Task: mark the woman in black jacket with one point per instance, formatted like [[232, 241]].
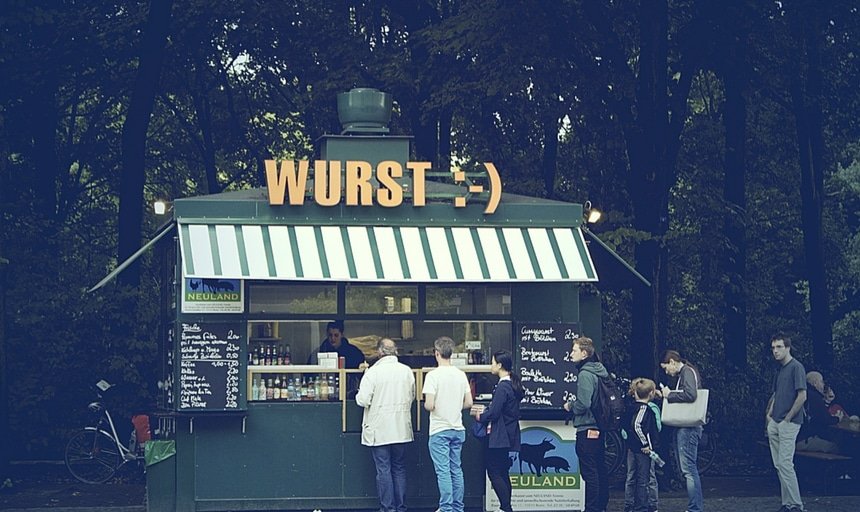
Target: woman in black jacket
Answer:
[[502, 417]]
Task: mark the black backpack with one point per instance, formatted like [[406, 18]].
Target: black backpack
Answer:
[[608, 404]]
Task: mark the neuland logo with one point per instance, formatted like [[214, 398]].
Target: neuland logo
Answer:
[[544, 461], [213, 290], [287, 183]]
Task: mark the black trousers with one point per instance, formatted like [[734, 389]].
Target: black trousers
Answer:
[[592, 467], [498, 464]]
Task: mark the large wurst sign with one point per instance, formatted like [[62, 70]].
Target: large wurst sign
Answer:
[[352, 182]]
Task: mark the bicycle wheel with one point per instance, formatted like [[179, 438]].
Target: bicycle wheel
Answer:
[[707, 452], [92, 456], [614, 452]]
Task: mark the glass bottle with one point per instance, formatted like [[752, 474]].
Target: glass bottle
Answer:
[[336, 380], [324, 388], [311, 390], [255, 358], [276, 393], [263, 391], [291, 389], [287, 357], [255, 390], [270, 390]]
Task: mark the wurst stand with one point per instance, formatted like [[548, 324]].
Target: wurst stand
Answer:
[[390, 252]]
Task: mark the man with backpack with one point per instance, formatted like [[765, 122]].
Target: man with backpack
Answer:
[[590, 445]]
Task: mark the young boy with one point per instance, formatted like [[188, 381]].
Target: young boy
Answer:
[[641, 426], [630, 481]]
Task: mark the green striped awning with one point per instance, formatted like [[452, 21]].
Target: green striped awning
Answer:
[[384, 253]]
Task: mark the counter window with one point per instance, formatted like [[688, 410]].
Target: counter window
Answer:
[[472, 300], [298, 340], [293, 299], [381, 299]]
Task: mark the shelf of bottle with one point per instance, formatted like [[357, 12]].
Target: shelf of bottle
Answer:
[[291, 368], [264, 339]]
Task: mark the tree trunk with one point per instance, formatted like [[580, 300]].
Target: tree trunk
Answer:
[[5, 447], [134, 132], [444, 162], [204, 122], [5, 187], [649, 186], [549, 164], [425, 131], [44, 120], [810, 141], [734, 195]]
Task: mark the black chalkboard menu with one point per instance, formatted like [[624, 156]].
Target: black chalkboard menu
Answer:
[[209, 364], [547, 373]]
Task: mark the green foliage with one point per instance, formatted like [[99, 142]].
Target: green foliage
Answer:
[[244, 81]]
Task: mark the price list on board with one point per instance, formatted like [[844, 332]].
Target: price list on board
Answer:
[[548, 376], [209, 365]]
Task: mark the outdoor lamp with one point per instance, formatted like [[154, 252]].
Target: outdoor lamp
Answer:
[[160, 207], [592, 215]]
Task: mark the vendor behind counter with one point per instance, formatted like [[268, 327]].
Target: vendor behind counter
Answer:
[[335, 341]]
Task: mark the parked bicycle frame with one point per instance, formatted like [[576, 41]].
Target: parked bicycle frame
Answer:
[[616, 448], [95, 453]]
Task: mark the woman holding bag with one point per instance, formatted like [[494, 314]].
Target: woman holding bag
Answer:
[[685, 390], [502, 418]]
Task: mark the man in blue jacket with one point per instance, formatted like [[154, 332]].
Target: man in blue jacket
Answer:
[[590, 444]]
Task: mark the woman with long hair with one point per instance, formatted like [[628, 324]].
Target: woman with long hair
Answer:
[[687, 383], [502, 418]]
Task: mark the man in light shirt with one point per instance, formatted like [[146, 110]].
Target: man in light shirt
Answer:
[[386, 393], [446, 394]]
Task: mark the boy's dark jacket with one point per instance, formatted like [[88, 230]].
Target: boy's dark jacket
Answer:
[[503, 414], [640, 423]]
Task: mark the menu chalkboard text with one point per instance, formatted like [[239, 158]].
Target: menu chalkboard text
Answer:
[[209, 366], [546, 371]]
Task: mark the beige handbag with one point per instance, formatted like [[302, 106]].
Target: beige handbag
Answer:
[[686, 414]]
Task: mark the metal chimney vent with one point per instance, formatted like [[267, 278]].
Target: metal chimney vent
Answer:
[[364, 110]]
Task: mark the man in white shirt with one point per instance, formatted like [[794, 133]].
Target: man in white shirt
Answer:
[[446, 393], [386, 392]]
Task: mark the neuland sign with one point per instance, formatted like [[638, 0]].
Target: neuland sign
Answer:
[[287, 183]]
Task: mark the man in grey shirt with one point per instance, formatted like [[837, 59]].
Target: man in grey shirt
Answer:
[[784, 417]]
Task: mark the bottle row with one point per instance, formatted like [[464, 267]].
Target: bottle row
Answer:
[[270, 355], [296, 389]]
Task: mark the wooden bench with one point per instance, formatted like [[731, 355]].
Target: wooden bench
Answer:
[[823, 467]]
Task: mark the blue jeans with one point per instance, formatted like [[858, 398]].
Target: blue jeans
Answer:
[[630, 486], [445, 449], [390, 463], [687, 443]]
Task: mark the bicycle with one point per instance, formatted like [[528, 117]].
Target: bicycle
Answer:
[[616, 449], [95, 453]]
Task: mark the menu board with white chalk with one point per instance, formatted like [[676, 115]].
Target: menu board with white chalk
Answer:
[[209, 365], [548, 376]]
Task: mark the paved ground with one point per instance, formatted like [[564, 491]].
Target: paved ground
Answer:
[[47, 487]]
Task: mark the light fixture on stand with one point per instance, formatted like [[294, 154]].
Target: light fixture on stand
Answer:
[[161, 207], [592, 215]]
